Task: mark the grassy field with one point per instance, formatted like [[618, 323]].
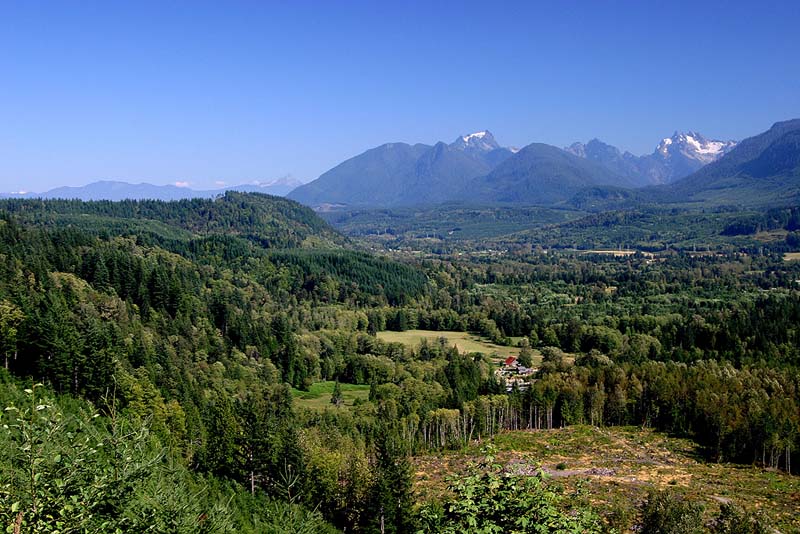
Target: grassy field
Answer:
[[465, 342], [318, 396], [619, 466], [616, 252], [791, 256]]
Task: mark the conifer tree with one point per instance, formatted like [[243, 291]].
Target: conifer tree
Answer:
[[389, 510]]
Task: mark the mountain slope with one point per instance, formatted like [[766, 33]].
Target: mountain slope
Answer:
[[761, 170], [439, 172], [540, 174], [375, 177]]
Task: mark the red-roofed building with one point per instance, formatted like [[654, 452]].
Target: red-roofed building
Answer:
[[509, 361]]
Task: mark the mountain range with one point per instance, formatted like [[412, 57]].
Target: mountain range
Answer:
[[686, 168], [476, 169], [114, 190], [539, 174], [674, 158]]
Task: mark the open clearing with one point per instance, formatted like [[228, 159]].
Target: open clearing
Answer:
[[618, 252], [771, 236], [318, 396], [465, 342], [618, 466], [791, 256]]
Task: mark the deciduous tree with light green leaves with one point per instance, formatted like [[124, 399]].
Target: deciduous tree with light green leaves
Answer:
[[10, 318]]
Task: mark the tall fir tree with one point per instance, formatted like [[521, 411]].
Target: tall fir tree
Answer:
[[389, 510]]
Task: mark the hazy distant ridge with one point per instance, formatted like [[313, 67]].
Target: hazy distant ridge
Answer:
[[114, 190]]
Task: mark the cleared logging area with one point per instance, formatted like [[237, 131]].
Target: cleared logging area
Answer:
[[617, 466]]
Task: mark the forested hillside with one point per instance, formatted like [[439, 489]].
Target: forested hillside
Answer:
[[180, 317], [226, 352], [268, 221]]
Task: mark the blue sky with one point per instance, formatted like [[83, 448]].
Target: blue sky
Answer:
[[234, 92]]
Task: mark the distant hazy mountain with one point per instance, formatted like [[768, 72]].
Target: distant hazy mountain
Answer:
[[761, 170], [398, 174], [541, 174], [280, 187], [674, 158], [111, 190], [625, 164]]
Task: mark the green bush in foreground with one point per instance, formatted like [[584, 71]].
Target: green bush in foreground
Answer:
[[65, 469], [489, 500]]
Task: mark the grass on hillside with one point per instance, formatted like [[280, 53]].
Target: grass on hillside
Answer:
[[318, 396], [791, 256], [618, 466], [464, 341]]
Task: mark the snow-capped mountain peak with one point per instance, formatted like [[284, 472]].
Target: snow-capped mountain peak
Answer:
[[694, 146], [674, 157], [481, 141], [476, 135]]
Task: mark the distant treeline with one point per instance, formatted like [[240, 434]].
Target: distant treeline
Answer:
[[775, 219], [271, 222]]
